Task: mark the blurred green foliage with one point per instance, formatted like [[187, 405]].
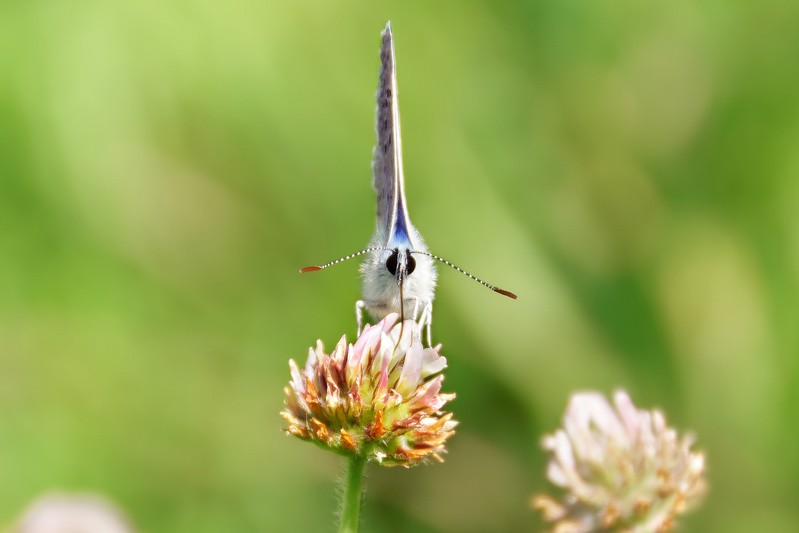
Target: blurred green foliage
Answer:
[[628, 168]]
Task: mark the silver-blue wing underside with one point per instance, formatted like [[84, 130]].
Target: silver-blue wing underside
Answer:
[[387, 178]]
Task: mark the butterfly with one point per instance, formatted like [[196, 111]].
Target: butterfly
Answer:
[[398, 273]]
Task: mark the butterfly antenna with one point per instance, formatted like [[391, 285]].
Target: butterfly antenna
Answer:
[[314, 268], [475, 278]]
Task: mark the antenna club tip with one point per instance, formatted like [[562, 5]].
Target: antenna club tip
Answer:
[[303, 270], [505, 293]]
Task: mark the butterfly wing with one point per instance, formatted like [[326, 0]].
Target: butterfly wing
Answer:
[[394, 230], [387, 179]]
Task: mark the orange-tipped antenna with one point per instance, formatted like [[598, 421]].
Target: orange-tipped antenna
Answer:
[[504, 292], [314, 268], [475, 278]]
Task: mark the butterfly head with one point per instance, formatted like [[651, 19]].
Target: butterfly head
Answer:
[[400, 264]]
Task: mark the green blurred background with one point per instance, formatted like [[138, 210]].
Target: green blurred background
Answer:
[[629, 168]]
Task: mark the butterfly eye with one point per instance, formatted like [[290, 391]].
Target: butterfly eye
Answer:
[[411, 263], [391, 262]]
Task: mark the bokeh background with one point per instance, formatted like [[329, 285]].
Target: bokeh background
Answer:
[[628, 168]]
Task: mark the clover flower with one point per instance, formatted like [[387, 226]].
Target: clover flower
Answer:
[[623, 469], [379, 398], [72, 513]]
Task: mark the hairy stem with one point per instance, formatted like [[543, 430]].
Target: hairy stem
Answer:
[[353, 489]]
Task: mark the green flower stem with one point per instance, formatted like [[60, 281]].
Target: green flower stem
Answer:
[[353, 489]]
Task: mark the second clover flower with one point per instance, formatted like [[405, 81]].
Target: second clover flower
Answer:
[[623, 469], [379, 398]]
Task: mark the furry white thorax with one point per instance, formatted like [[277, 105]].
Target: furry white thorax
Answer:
[[380, 289]]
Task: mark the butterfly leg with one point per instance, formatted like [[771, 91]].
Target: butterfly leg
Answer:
[[415, 308], [426, 319], [359, 307]]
